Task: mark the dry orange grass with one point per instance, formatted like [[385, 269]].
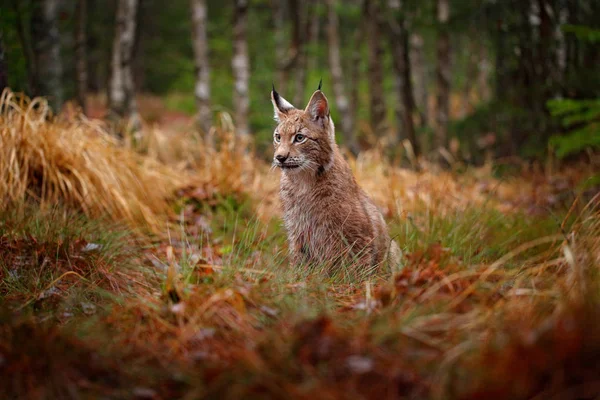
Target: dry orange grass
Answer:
[[508, 327], [220, 164], [401, 191], [75, 161]]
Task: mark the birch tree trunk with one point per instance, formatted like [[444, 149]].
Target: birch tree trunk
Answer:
[[376, 51], [80, 53], [202, 88], [442, 74], [337, 76], [121, 93], [398, 35], [46, 41], [241, 66]]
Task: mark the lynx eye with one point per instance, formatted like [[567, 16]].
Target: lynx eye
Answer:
[[299, 138], [277, 138]]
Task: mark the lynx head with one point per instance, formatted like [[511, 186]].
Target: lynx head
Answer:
[[304, 140]]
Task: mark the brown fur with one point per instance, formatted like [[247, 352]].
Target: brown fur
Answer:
[[328, 217]]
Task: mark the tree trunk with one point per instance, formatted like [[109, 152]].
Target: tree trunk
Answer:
[[398, 36], [483, 71], [337, 77], [287, 55], [470, 79], [500, 61], [313, 42], [572, 44], [143, 22], [80, 53], [546, 68], [28, 53], [3, 68], [307, 23], [96, 58], [523, 94], [420, 67], [561, 50], [442, 74], [280, 46], [377, 107], [121, 96], [46, 41], [241, 66], [355, 64], [200, 42]]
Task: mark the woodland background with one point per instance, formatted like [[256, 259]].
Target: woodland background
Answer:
[[142, 252], [483, 72]]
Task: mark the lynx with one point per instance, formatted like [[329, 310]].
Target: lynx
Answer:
[[329, 219]]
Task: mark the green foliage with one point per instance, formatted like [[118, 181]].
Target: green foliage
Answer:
[[500, 119], [476, 235], [582, 117], [584, 33], [14, 51], [183, 102]]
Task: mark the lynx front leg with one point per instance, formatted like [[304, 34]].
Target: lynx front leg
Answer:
[[298, 250]]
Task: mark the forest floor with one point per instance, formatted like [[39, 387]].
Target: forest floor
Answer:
[[157, 269]]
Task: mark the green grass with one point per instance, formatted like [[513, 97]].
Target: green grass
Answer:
[[254, 327], [475, 235], [60, 262]]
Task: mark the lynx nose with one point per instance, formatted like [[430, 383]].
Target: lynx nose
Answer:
[[281, 158]]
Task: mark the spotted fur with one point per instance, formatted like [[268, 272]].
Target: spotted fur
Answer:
[[329, 219]]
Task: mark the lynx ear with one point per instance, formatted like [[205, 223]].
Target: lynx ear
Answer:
[[280, 105], [318, 107]]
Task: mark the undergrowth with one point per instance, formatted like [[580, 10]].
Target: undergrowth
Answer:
[[75, 161], [496, 297]]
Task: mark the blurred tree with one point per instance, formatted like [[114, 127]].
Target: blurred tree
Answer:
[[308, 19], [47, 61], [81, 53], [121, 93], [356, 58], [471, 74], [3, 66], [241, 66], [100, 21], [399, 42], [202, 88], [313, 40], [529, 49], [421, 68], [287, 55], [337, 77], [377, 106], [443, 72], [483, 71], [281, 52]]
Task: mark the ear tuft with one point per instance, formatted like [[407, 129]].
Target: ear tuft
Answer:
[[318, 107], [280, 105]]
